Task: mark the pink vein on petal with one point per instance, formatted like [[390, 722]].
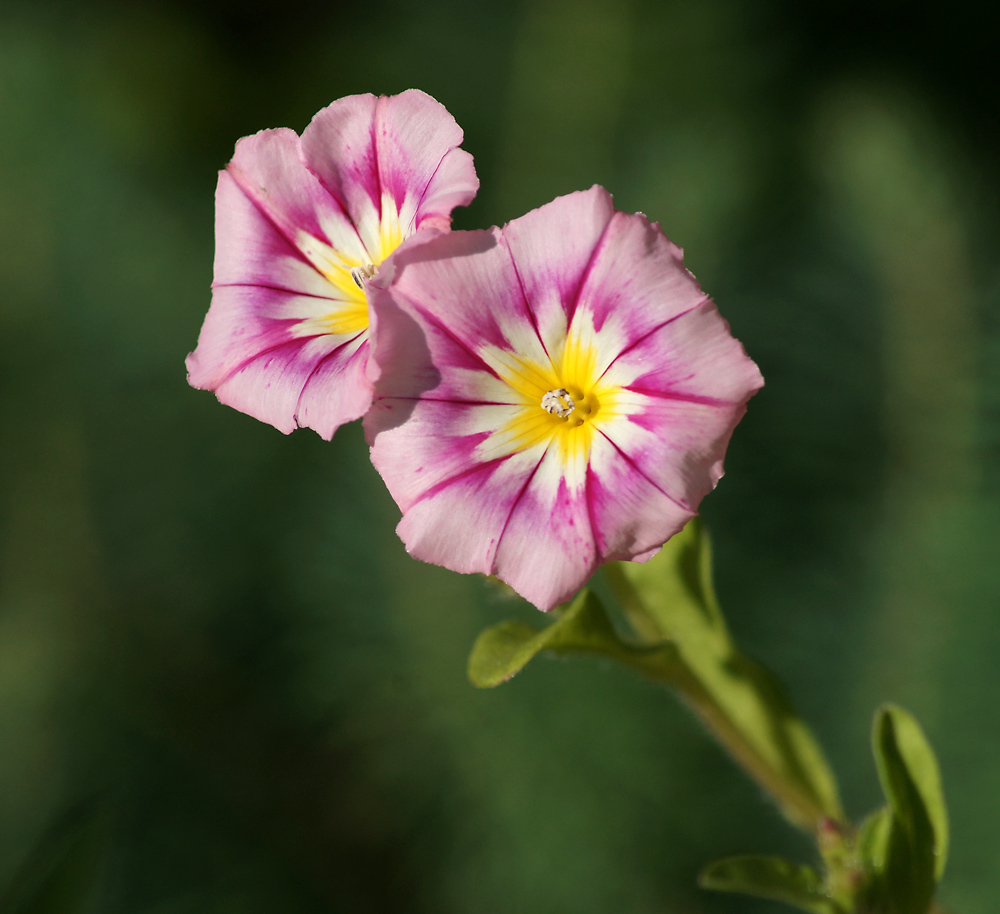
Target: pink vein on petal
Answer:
[[639, 471]]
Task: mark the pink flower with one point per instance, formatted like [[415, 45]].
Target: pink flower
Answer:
[[302, 225], [550, 396]]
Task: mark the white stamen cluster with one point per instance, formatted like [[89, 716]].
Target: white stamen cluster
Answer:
[[559, 403], [361, 275]]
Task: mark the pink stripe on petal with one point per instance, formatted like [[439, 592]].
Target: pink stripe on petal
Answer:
[[547, 548], [269, 387], [337, 391], [338, 146], [249, 354], [268, 168], [552, 247], [417, 140], [694, 355], [632, 517], [362, 147], [637, 279], [422, 444], [433, 286], [481, 501], [241, 324], [250, 250], [455, 183], [677, 445]]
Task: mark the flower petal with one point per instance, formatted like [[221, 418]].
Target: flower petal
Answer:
[[547, 549], [404, 147], [553, 247], [433, 284], [250, 355], [250, 250], [268, 168], [632, 517]]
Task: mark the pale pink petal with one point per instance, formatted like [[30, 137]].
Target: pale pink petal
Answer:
[[404, 146], [632, 516], [423, 443], [553, 247], [420, 164], [478, 502], [535, 536], [258, 365], [268, 168], [678, 445], [691, 357], [250, 250], [433, 284], [636, 281], [547, 549]]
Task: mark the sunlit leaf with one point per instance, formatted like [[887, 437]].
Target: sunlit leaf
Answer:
[[584, 627], [770, 877]]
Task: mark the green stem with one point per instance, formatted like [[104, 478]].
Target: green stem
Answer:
[[801, 805], [798, 805]]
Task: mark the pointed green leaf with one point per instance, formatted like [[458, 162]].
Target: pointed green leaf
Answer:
[[922, 766], [671, 598], [770, 877], [503, 650], [873, 839], [905, 884]]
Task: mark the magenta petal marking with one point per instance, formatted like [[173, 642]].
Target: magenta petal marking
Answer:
[[362, 147], [268, 169], [633, 515], [547, 548], [270, 386], [250, 250], [480, 500], [553, 247]]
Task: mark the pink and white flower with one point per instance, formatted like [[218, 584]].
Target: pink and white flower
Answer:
[[550, 396], [302, 226]]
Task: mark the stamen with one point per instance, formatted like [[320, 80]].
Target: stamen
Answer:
[[361, 275], [559, 403]]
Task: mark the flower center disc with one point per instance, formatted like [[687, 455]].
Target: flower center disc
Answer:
[[572, 406], [559, 402]]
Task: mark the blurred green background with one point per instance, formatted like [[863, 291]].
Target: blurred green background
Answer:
[[210, 630]]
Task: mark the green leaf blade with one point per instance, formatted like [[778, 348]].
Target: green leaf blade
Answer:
[[915, 843], [772, 878]]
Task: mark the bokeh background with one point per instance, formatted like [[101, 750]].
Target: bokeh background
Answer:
[[209, 632]]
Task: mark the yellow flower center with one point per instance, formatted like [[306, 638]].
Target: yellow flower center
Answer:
[[562, 400], [349, 275]]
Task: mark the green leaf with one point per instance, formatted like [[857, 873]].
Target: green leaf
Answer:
[[671, 599], [922, 768], [914, 845], [873, 839], [770, 877], [61, 873], [503, 650]]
